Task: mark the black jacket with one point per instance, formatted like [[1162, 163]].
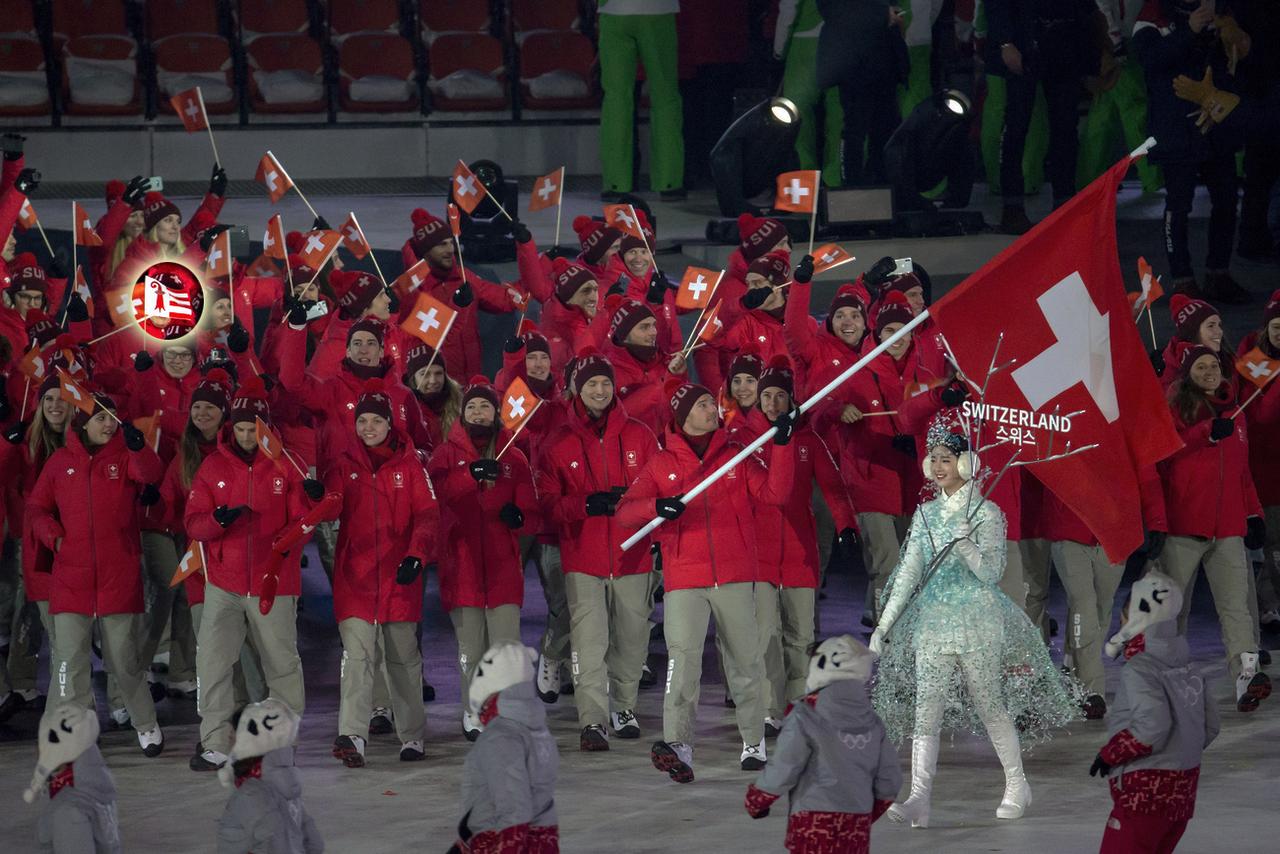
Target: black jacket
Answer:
[[1053, 36], [857, 44]]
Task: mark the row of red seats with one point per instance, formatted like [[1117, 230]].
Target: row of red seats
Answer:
[[115, 57]]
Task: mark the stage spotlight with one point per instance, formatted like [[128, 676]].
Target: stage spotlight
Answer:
[[932, 145], [752, 151], [486, 233]]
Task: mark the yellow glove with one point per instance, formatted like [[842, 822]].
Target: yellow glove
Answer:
[[1235, 41], [1195, 91], [1215, 104]]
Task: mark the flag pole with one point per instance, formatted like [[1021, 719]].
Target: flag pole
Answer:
[[45, 238], [1256, 392], [559, 209], [107, 335], [768, 434], [209, 128], [292, 183], [490, 195], [702, 313], [518, 429], [1151, 323], [314, 276], [372, 254], [26, 393], [813, 216], [435, 351]]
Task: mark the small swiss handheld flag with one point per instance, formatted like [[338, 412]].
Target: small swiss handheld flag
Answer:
[[625, 219], [797, 191], [27, 215], [189, 106], [85, 235], [272, 176], [829, 257], [273, 245], [75, 394], [518, 404], [547, 191], [429, 321], [217, 263], [268, 441], [353, 237], [696, 287], [318, 246], [467, 189], [191, 563], [1257, 367]]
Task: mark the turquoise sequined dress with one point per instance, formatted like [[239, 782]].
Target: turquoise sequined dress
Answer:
[[961, 620]]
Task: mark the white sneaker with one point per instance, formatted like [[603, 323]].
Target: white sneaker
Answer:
[[1252, 685], [548, 683], [772, 726], [209, 760], [753, 757], [152, 741], [624, 723], [162, 659], [673, 757], [120, 717], [412, 751], [471, 727]]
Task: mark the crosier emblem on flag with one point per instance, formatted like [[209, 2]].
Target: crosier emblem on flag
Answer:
[[1065, 331], [797, 191], [429, 321], [189, 106], [467, 189], [829, 257], [696, 287], [272, 176], [518, 404], [163, 305]]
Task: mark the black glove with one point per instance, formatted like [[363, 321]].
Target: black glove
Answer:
[[320, 224], [880, 271], [755, 297], [393, 301], [218, 181], [142, 361], [27, 182], [408, 571], [657, 289], [268, 382], [149, 495], [210, 234], [1221, 428], [313, 488], [669, 508], [57, 266], [237, 337], [954, 395], [136, 191], [1153, 544], [298, 310], [12, 145], [804, 270], [511, 516], [619, 287], [484, 469], [1099, 768], [1257, 533], [520, 232], [464, 295], [786, 426], [1157, 361], [134, 439], [15, 433], [514, 344], [847, 540], [224, 515], [601, 503], [906, 444], [77, 311]]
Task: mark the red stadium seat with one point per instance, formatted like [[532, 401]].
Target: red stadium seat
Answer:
[[17, 20], [269, 17], [73, 18], [452, 16], [362, 16], [376, 68], [186, 61], [529, 16], [100, 76], [286, 74], [173, 17], [463, 68], [552, 66], [24, 86]]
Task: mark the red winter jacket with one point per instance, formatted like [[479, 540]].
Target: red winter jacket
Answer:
[[235, 556], [1058, 522], [480, 563], [714, 540], [1208, 490], [90, 501], [640, 386], [670, 337], [1263, 416], [155, 390], [583, 460], [20, 472], [173, 504], [819, 355], [331, 348], [387, 514], [759, 331]]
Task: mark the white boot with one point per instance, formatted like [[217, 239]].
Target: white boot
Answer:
[[1017, 791], [924, 761]]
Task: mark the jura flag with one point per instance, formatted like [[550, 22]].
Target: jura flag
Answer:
[[353, 237], [84, 233], [273, 245], [272, 176], [467, 189], [189, 106], [1257, 367], [518, 404], [696, 287], [429, 321], [829, 257], [797, 191], [164, 306], [1057, 297], [547, 191], [191, 563]]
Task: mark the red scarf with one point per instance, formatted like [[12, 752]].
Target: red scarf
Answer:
[[60, 780], [253, 772], [1135, 646]]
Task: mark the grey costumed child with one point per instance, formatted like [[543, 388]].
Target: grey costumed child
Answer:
[[81, 814]]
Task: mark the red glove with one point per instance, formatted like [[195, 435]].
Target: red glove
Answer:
[[758, 802]]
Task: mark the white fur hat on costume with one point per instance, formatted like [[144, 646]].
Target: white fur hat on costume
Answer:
[[505, 664], [65, 734], [837, 658], [1153, 598], [263, 727]]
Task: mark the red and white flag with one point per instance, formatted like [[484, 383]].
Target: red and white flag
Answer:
[[353, 237], [272, 176], [166, 306], [1057, 296], [81, 287], [32, 365], [625, 219], [797, 191], [150, 427], [273, 245], [429, 321], [518, 404], [85, 235], [455, 220], [318, 246], [124, 307], [27, 215], [217, 262], [191, 563], [1151, 287], [75, 394], [1257, 367], [829, 257], [268, 441], [696, 287], [189, 106], [547, 191], [467, 189], [712, 325], [411, 279]]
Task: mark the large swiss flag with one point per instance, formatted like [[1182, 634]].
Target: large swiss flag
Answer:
[[1058, 296]]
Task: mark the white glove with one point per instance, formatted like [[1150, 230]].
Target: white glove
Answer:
[[877, 641], [968, 552], [964, 530]]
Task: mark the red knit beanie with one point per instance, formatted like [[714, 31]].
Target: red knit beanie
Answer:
[[1188, 314], [759, 235], [894, 308], [778, 375], [373, 400], [904, 283], [250, 402], [429, 231], [847, 296], [156, 207], [628, 316], [114, 191], [683, 395], [595, 237], [356, 291]]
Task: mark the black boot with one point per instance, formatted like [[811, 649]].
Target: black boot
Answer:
[[1013, 220]]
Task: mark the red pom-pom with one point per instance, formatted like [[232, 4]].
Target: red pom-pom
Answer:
[[747, 223], [895, 297], [24, 259], [780, 362], [671, 386], [583, 224], [478, 379], [115, 190], [420, 217], [219, 376], [560, 264], [613, 302], [1177, 303], [587, 352], [152, 198], [252, 386], [294, 241]]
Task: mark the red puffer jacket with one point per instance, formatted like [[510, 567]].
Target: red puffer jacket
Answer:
[[714, 540], [1208, 490], [480, 560], [90, 501], [788, 541], [819, 355], [173, 504], [760, 332], [331, 348], [584, 460], [640, 386], [154, 390], [272, 495], [1263, 416], [388, 513], [670, 337], [20, 472]]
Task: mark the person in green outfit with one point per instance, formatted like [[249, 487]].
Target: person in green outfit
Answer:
[[644, 31], [795, 43]]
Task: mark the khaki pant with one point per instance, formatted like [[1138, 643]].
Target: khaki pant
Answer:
[[609, 631], [477, 629], [769, 627], [248, 663], [555, 639], [798, 606], [1090, 580], [325, 538], [1035, 572], [165, 608], [687, 616], [1269, 578], [226, 621], [1013, 583], [71, 669], [403, 659], [1231, 582], [881, 541]]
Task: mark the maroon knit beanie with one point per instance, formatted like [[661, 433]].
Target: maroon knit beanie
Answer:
[[848, 296], [156, 207], [429, 231], [215, 388], [746, 362], [250, 402], [1272, 311], [775, 266], [595, 237], [372, 325], [590, 363], [419, 356], [759, 235], [356, 291], [374, 400], [778, 375], [894, 308], [479, 387], [1188, 314], [629, 315], [570, 278], [683, 395], [630, 241]]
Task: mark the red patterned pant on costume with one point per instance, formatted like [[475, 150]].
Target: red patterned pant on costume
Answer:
[[1136, 833], [828, 833]]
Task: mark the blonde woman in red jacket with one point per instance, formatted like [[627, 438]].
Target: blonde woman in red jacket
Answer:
[[85, 509], [1214, 514], [486, 504], [388, 521]]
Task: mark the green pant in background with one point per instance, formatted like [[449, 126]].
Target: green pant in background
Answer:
[[610, 633], [1033, 153], [1124, 104], [651, 39], [800, 84]]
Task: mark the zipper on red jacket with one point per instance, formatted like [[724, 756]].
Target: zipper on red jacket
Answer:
[[248, 589], [93, 540], [608, 520], [377, 576]]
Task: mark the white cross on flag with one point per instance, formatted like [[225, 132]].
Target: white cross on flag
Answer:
[[165, 306], [797, 191], [273, 245], [125, 307], [189, 106], [518, 404], [625, 219], [829, 257], [429, 321], [191, 563], [81, 287], [272, 176], [27, 215], [467, 189], [696, 287], [75, 394], [411, 279], [547, 191], [84, 233], [1057, 296], [1257, 367], [353, 237], [318, 246], [217, 263]]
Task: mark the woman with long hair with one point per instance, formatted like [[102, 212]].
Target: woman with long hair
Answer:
[[439, 395]]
